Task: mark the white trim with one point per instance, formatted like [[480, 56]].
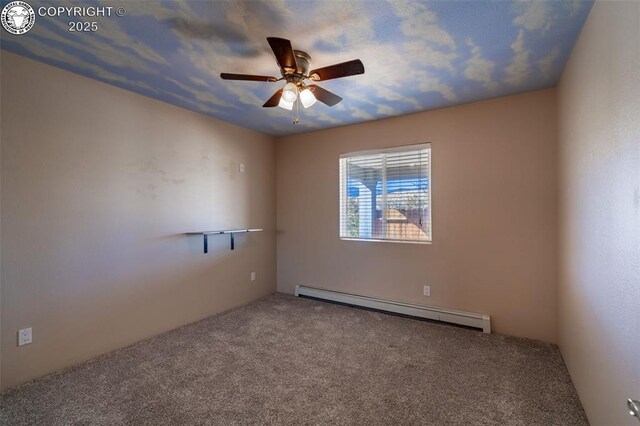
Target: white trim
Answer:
[[343, 195], [453, 316], [383, 153], [425, 145], [430, 199], [387, 240], [385, 213]]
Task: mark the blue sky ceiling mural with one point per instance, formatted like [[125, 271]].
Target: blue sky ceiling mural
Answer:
[[417, 55]]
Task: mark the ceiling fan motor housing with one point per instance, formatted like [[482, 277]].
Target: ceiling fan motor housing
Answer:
[[302, 60]]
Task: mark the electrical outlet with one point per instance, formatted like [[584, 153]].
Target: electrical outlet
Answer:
[[241, 167], [426, 290], [24, 336], [253, 276]]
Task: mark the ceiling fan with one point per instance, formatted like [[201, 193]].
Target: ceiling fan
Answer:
[[294, 68]]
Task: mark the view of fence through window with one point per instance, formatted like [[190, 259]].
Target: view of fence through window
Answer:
[[386, 194]]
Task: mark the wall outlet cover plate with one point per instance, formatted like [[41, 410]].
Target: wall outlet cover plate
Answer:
[[24, 336]]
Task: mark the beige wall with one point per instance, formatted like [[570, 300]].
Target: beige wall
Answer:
[[0, 241], [599, 293], [98, 187], [494, 193]]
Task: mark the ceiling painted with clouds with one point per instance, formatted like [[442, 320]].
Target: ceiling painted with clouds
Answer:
[[417, 55]]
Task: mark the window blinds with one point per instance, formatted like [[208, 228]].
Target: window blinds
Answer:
[[386, 194]]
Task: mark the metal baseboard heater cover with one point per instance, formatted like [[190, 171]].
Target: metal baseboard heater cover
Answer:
[[468, 319]]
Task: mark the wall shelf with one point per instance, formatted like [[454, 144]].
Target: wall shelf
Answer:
[[231, 232]]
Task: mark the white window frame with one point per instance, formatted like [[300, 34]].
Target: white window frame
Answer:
[[343, 193]]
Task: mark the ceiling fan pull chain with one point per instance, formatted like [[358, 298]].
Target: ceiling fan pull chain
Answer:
[[296, 117]]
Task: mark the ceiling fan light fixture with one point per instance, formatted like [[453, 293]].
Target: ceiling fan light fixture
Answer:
[[294, 70], [290, 92], [284, 104], [307, 98]]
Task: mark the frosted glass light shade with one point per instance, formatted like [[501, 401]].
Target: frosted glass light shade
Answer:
[[307, 98], [290, 92], [284, 104]]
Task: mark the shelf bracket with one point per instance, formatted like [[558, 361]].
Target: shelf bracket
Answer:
[[231, 232]]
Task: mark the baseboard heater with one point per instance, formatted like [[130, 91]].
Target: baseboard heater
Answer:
[[469, 319]]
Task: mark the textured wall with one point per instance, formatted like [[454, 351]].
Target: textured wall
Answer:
[[98, 187], [494, 194], [599, 295]]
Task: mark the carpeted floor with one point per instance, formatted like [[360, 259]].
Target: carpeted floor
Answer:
[[286, 360]]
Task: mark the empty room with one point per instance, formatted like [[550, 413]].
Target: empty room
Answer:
[[367, 212]]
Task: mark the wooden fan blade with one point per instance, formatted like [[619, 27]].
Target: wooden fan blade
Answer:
[[284, 52], [247, 77], [343, 69], [324, 96], [273, 100]]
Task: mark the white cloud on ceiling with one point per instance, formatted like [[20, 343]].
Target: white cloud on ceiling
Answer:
[[420, 22], [422, 52], [349, 25], [360, 113], [316, 112], [122, 40], [426, 82], [535, 15], [478, 68], [41, 50], [389, 94], [546, 63], [519, 69], [100, 49], [390, 67], [206, 97], [386, 110]]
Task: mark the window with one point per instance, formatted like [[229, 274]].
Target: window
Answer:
[[385, 195]]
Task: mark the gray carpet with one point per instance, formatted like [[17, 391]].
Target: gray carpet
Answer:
[[285, 360]]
